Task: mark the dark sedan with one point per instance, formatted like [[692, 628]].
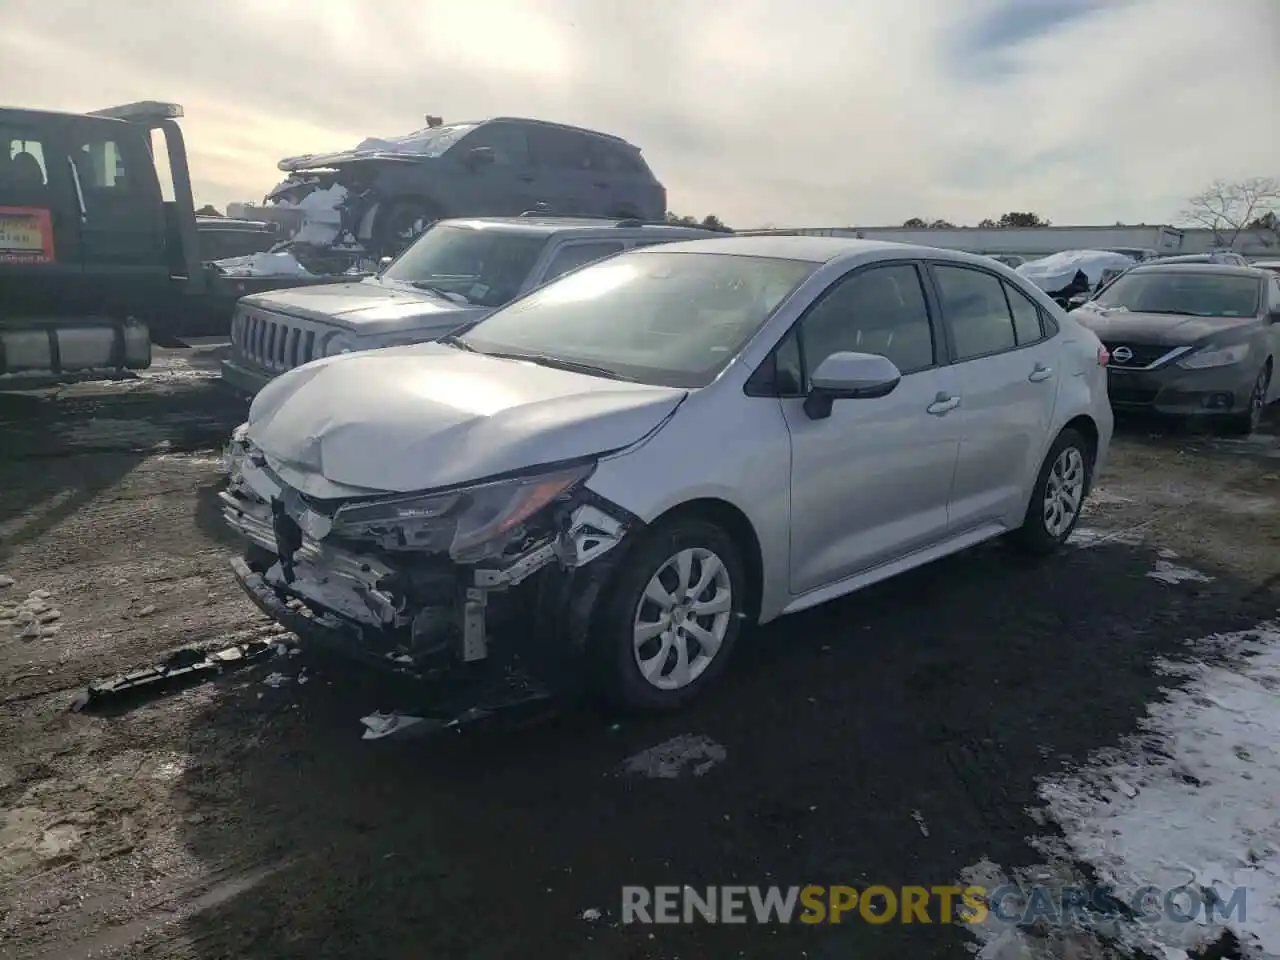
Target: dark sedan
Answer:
[[1191, 340]]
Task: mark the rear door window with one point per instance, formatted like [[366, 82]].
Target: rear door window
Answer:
[[974, 305], [574, 255], [559, 149], [1026, 316], [508, 141]]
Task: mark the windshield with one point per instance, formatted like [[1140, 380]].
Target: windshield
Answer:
[[666, 318], [427, 142], [483, 266], [1192, 294]]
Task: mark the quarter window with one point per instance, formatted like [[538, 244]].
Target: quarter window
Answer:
[[881, 311], [974, 305], [1026, 316], [575, 255]]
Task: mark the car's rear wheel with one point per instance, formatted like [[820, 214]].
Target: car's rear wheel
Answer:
[[1245, 423], [1058, 496], [671, 617]]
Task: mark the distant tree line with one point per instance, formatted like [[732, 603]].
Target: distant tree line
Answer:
[[709, 222], [1006, 220]]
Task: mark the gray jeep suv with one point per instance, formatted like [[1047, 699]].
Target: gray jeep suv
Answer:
[[455, 273], [500, 167]]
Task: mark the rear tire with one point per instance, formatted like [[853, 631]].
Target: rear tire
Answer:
[[1058, 496], [651, 655]]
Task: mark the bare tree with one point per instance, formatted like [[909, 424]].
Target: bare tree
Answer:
[[1228, 207]]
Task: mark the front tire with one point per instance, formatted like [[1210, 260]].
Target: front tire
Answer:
[[1244, 424], [1058, 495], [671, 617], [400, 223]]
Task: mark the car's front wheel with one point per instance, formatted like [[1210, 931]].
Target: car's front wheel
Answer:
[[1250, 419], [1058, 496], [671, 618]]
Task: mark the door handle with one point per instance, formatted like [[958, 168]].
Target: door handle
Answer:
[[1039, 373], [601, 186], [943, 404], [527, 179]]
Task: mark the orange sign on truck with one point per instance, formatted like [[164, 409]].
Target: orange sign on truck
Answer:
[[26, 235]]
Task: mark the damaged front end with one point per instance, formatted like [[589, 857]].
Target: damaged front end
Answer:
[[415, 582]]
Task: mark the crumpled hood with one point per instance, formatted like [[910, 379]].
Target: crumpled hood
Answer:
[[1056, 271], [1159, 329], [368, 308], [406, 419]]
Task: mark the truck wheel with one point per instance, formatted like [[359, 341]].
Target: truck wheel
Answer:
[[402, 222], [1058, 496], [671, 617]]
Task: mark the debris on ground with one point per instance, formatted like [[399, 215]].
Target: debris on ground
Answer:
[[1167, 572], [182, 668], [263, 265], [33, 617], [591, 914], [275, 680], [6, 581], [918, 817], [379, 724], [669, 760]]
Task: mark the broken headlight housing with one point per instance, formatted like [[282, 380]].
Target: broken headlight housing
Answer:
[[470, 523]]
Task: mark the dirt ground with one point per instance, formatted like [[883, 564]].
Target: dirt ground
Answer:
[[893, 737]]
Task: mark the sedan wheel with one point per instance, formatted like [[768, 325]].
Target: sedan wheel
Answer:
[[1249, 421], [1064, 492], [1058, 495], [670, 617], [682, 618]]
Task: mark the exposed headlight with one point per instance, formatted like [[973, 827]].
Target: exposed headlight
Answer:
[[1215, 357], [340, 343], [234, 454], [470, 522]]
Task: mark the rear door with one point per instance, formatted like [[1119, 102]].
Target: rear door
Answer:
[[122, 233], [566, 181], [40, 263], [505, 188], [1007, 359]]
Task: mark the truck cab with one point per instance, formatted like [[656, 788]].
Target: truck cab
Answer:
[[89, 247]]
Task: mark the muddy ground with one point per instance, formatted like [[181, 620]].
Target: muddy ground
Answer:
[[893, 737]]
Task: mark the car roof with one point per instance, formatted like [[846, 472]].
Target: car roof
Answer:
[[1224, 269], [579, 226], [822, 249]]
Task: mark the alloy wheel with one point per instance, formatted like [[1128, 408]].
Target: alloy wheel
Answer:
[[682, 618], [1064, 492]]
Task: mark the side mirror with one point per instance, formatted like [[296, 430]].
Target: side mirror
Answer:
[[849, 376], [478, 157]]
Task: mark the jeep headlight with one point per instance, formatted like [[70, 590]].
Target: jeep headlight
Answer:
[[1215, 357], [471, 523], [339, 343]]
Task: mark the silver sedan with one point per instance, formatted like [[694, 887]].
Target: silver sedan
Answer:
[[672, 443]]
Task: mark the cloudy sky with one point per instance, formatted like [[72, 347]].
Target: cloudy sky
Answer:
[[821, 113]]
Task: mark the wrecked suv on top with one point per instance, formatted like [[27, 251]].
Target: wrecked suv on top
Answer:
[[652, 450]]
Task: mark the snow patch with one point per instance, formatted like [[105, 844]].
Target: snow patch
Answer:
[[1191, 803], [1167, 572], [695, 754], [1084, 537], [282, 264], [378, 725]]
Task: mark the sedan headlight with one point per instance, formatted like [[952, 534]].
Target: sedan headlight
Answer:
[[1215, 357], [470, 522], [340, 343]]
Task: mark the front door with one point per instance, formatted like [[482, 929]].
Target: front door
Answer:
[[1009, 374], [870, 483], [507, 187]]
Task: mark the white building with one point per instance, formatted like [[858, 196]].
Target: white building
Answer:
[[1042, 241]]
